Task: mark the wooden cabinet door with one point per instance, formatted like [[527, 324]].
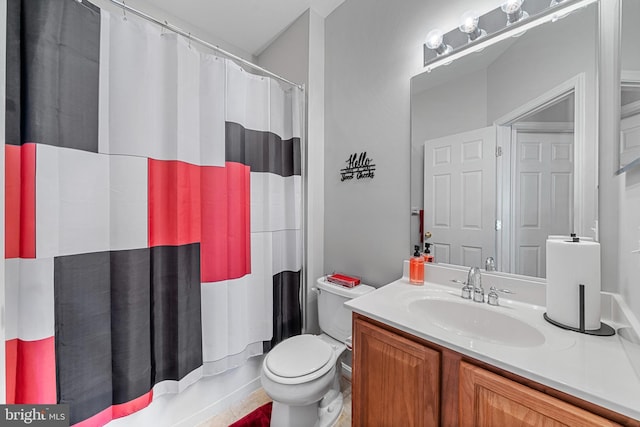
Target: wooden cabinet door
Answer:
[[396, 381], [487, 399]]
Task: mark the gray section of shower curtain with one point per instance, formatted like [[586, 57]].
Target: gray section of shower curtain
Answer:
[[287, 314], [53, 52], [262, 151], [125, 320], [12, 102]]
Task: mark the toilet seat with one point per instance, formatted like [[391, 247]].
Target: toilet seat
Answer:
[[299, 359]]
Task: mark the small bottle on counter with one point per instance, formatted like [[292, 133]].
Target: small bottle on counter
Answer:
[[427, 253], [416, 268]]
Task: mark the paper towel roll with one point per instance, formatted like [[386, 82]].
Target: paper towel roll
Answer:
[[570, 264]]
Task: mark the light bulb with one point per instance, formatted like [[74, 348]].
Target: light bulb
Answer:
[[434, 39], [512, 6], [469, 25], [469, 21], [513, 9]]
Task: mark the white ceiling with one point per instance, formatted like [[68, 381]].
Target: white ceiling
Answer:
[[250, 25]]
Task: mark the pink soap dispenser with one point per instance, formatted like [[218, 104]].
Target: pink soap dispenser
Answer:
[[427, 253], [416, 268]]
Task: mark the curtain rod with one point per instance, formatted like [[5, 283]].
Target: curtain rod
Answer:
[[188, 35]]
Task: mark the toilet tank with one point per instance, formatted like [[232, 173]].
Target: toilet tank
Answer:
[[333, 316]]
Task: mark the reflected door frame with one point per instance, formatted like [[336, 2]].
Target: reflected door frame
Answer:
[[584, 162]]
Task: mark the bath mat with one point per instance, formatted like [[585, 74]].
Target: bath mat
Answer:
[[260, 417]]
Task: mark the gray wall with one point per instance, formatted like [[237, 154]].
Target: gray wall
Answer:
[[288, 55], [542, 60], [459, 105]]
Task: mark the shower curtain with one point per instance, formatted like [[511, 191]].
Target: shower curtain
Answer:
[[153, 211]]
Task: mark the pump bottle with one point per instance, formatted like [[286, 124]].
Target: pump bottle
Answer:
[[427, 253], [416, 268]]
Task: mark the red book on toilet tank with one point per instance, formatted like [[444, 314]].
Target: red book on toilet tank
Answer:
[[343, 280]]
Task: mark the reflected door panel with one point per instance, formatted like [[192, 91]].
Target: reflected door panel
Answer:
[[460, 196], [630, 139], [543, 204]]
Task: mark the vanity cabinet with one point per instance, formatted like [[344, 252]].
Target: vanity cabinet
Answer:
[[489, 399], [403, 380], [396, 381]]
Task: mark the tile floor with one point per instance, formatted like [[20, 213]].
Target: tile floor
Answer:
[[259, 398]]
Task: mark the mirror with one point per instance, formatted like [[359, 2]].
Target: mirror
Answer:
[[630, 85], [504, 147]]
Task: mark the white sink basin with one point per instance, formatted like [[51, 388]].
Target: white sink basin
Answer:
[[476, 321]]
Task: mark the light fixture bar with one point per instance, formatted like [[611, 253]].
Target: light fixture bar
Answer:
[[548, 15]]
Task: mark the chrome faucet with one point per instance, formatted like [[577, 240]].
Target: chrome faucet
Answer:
[[473, 289], [474, 280], [490, 264]]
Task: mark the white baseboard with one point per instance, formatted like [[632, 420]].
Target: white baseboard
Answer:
[[346, 371]]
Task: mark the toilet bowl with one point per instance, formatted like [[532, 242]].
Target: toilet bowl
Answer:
[[302, 373], [302, 376]]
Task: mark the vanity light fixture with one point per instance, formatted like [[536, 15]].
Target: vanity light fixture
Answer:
[[437, 53], [469, 25], [435, 42], [514, 11]]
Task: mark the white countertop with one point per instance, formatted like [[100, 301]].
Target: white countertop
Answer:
[[595, 369]]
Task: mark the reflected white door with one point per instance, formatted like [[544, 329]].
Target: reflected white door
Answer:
[[460, 196], [629, 139], [543, 197]]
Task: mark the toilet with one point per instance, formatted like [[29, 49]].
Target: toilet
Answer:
[[302, 373]]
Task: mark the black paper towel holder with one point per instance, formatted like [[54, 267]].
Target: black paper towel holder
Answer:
[[604, 330]]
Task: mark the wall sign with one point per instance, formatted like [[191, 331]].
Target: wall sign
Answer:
[[359, 166]]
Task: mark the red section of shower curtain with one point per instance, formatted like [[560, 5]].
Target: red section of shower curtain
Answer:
[[20, 201], [32, 366], [174, 203], [117, 411], [206, 204], [226, 229]]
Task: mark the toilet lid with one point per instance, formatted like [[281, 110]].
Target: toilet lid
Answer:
[[298, 356]]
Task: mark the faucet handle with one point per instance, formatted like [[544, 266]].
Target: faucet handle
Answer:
[[492, 296], [490, 264], [466, 289]]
